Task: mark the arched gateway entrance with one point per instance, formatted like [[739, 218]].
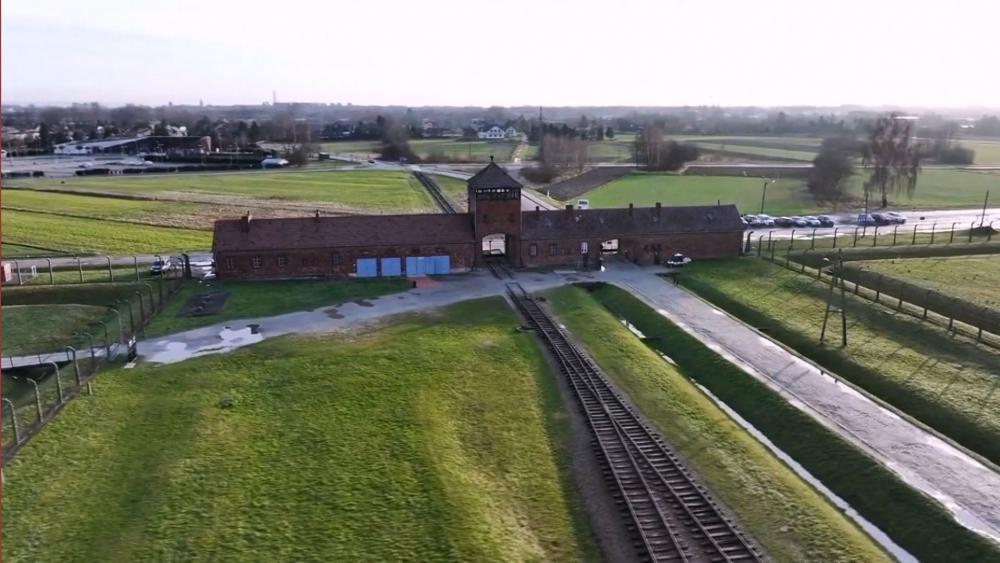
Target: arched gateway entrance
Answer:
[[495, 205], [494, 245]]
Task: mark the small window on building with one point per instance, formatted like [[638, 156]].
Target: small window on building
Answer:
[[336, 259], [584, 247], [282, 261], [533, 249], [256, 262], [230, 263], [553, 249]]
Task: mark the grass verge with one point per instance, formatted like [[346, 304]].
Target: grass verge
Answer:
[[376, 446], [972, 278], [790, 519], [918, 524], [948, 383], [267, 298], [33, 329]]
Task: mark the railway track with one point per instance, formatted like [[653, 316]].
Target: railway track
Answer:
[[671, 517], [499, 270], [435, 190]]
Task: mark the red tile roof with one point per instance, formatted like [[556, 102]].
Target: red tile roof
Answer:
[[611, 223], [326, 232]]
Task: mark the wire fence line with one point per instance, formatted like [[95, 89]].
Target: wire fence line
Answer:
[[38, 386], [956, 315], [84, 270], [875, 236]]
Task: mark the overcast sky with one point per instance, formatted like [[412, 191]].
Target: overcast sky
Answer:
[[532, 52]]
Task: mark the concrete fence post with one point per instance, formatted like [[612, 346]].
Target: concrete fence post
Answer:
[[76, 364], [933, 232], [135, 264], [760, 244], [770, 243], [927, 298], [52, 276], [835, 229], [875, 237], [13, 420], [17, 269], [855, 243], [791, 240], [914, 235], [79, 268], [894, 232], [972, 226], [902, 290], [813, 245], [38, 399], [59, 387], [111, 271], [107, 339], [989, 232], [878, 286], [951, 238]]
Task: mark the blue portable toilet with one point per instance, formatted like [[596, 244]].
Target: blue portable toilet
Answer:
[[392, 267], [367, 267]]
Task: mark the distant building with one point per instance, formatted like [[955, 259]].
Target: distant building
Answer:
[[494, 228], [496, 132], [135, 145]]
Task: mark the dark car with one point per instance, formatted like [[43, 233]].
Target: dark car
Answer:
[[825, 220], [784, 222]]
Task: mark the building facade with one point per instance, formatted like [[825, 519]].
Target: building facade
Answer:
[[495, 228]]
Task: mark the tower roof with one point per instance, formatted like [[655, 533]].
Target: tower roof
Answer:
[[493, 176]]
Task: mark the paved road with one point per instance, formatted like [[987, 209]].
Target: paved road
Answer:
[[94, 262], [966, 487], [937, 220]]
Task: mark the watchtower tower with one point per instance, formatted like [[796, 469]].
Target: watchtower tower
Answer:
[[495, 205]]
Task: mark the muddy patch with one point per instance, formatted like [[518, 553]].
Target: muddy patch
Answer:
[[363, 303], [333, 313]]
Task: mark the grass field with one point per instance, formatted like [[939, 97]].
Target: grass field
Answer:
[[448, 149], [987, 152], [72, 235], [936, 189], [763, 152], [455, 189], [973, 278], [921, 526], [17, 250], [267, 298], [785, 196], [31, 329], [378, 446], [783, 513], [101, 294], [948, 383]]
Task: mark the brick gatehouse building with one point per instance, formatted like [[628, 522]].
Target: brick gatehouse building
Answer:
[[495, 228]]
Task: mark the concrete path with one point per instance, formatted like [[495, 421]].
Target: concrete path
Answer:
[[969, 489]]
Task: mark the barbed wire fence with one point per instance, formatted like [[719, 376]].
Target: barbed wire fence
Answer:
[[40, 384]]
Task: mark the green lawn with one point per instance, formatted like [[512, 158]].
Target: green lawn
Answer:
[[948, 383], [17, 251], [32, 329], [872, 489], [453, 149], [359, 190], [101, 294], [757, 151], [936, 189], [267, 298], [790, 519], [785, 196], [455, 189], [973, 278], [376, 446], [73, 235], [163, 213]]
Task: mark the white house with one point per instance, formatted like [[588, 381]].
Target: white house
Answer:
[[497, 132]]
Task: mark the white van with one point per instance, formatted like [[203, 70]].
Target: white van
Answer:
[[583, 204]]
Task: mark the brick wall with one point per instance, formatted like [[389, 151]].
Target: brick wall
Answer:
[[646, 249], [330, 262]]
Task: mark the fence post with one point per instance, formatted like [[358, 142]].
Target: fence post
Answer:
[[914, 235], [803, 263], [933, 230], [59, 388], [38, 399], [972, 226], [927, 297], [52, 277], [121, 329], [788, 256], [17, 267], [813, 246], [76, 365], [13, 420], [131, 317], [894, 231], [142, 311], [111, 271], [770, 244], [835, 229], [875, 237], [107, 339], [760, 243], [878, 286], [135, 264], [152, 298], [855, 244], [791, 242], [79, 268], [902, 290], [951, 239]]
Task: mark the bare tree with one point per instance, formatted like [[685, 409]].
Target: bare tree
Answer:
[[891, 158]]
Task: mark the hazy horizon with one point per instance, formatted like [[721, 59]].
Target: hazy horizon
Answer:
[[451, 53]]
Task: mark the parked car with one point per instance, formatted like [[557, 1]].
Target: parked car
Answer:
[[160, 266], [812, 221], [894, 217], [751, 220], [799, 222], [783, 222], [825, 220], [678, 260], [871, 220], [765, 220]]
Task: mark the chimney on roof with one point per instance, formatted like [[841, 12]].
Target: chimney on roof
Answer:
[[630, 208], [569, 207], [246, 222], [537, 209]]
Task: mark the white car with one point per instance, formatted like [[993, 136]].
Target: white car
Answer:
[[894, 217], [678, 260], [765, 220], [812, 221]]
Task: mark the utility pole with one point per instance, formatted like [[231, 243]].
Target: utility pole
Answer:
[[836, 278], [982, 219], [763, 194]]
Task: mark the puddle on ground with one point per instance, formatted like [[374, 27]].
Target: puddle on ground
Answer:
[[363, 303], [333, 313], [227, 340]]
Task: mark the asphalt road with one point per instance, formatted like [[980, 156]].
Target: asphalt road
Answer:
[[939, 221]]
